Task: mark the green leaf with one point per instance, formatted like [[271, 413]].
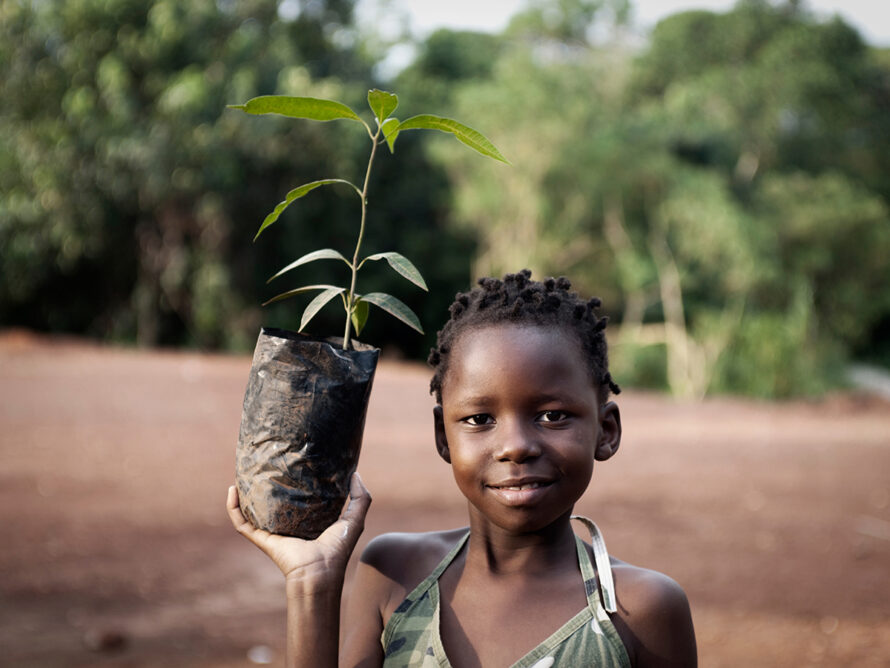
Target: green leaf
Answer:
[[323, 254], [382, 103], [467, 135], [394, 307], [295, 194], [315, 305], [360, 316], [391, 132], [402, 265], [298, 107], [297, 291]]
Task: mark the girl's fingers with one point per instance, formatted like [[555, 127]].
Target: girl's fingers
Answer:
[[237, 518], [357, 486], [337, 541], [234, 509], [359, 502], [352, 522]]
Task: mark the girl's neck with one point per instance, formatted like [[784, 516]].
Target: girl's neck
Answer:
[[501, 553]]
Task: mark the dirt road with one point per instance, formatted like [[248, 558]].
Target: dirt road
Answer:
[[116, 550]]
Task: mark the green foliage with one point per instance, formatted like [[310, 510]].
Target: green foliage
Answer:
[[446, 59], [723, 191], [780, 354], [639, 365], [457, 55], [723, 188], [124, 185], [402, 266], [323, 254], [565, 21], [119, 176], [298, 107], [382, 104], [296, 194], [462, 133], [394, 307]]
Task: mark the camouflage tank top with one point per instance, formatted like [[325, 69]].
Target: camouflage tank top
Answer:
[[411, 636]]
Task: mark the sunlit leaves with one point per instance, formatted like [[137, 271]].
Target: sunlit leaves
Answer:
[[390, 130], [467, 135], [395, 308], [402, 265], [315, 305], [311, 108], [296, 194], [297, 291], [323, 254], [360, 316], [382, 103]]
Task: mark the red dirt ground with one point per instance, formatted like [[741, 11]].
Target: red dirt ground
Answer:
[[117, 551]]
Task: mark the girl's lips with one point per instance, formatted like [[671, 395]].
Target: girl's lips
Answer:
[[520, 485], [520, 493]]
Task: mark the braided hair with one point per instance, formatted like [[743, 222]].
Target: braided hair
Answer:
[[519, 300]]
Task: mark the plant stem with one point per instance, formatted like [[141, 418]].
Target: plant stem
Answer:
[[350, 296]]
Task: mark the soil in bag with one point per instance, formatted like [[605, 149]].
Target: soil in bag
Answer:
[[301, 430]]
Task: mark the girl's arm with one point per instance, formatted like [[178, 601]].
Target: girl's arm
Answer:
[[314, 572], [653, 619]]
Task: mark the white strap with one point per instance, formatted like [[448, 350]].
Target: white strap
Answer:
[[603, 567]]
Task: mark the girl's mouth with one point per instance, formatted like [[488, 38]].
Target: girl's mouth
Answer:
[[528, 485], [520, 492]]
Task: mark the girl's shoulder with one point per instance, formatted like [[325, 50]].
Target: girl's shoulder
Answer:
[[653, 615], [645, 588], [393, 564], [408, 558]]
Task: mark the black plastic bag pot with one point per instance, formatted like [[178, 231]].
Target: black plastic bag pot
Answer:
[[301, 430]]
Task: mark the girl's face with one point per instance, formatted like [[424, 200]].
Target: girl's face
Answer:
[[521, 424]]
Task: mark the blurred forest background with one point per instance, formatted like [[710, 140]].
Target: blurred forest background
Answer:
[[723, 186]]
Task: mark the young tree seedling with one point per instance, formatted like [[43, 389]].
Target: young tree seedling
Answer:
[[387, 130]]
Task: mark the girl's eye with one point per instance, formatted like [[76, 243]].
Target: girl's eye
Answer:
[[478, 420], [553, 416]]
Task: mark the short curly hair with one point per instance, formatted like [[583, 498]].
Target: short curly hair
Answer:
[[517, 299]]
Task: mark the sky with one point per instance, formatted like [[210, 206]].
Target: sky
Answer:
[[870, 17]]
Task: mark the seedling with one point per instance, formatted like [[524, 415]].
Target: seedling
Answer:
[[387, 130]]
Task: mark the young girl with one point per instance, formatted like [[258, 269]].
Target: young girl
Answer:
[[522, 388]]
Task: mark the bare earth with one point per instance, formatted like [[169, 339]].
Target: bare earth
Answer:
[[116, 550]]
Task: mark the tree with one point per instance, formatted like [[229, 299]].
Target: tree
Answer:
[[533, 96], [723, 193], [124, 183], [777, 105]]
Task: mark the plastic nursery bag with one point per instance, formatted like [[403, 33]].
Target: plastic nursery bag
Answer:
[[301, 430]]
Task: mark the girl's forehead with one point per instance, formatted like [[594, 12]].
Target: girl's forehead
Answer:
[[517, 356], [504, 335], [516, 368], [515, 351]]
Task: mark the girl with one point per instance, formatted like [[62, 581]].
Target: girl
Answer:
[[522, 388]]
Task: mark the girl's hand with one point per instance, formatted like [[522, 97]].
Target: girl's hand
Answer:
[[310, 566]]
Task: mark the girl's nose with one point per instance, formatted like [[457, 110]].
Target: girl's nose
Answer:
[[517, 442]]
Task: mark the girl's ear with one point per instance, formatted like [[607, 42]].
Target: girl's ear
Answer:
[[610, 432], [441, 440]]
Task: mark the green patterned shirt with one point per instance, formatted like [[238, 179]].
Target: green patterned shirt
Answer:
[[411, 637]]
